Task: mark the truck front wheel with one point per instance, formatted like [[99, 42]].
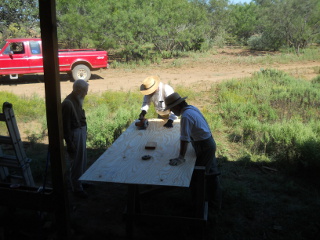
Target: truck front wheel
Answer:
[[81, 72]]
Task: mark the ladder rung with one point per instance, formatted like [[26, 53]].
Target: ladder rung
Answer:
[[12, 161], [5, 140], [8, 157], [9, 163], [13, 158], [15, 176]]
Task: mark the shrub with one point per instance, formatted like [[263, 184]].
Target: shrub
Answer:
[[255, 43]]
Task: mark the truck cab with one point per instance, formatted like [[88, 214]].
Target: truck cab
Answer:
[[20, 57]]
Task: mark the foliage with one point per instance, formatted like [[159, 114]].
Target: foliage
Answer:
[[26, 109], [275, 115], [77, 28], [148, 30], [243, 18], [218, 18], [19, 18], [108, 115], [132, 25], [288, 22]]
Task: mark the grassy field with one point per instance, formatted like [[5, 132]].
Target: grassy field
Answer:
[[268, 135]]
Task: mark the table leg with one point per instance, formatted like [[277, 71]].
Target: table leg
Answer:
[[201, 208], [200, 193], [131, 209]]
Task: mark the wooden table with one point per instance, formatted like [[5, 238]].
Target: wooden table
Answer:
[[122, 163]]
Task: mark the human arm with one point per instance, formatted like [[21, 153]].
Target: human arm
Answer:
[[185, 138], [168, 90], [180, 159], [183, 148], [145, 106]]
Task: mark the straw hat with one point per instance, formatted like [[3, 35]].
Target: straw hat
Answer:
[[173, 100], [149, 85]]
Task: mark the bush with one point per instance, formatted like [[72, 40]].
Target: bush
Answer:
[[264, 42], [255, 43]]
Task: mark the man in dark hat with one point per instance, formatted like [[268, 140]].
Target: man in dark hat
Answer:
[[195, 129], [155, 91]]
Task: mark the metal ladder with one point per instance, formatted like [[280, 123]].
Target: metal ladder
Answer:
[[17, 162]]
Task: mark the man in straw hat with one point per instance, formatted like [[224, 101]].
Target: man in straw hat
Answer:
[[195, 129], [155, 92]]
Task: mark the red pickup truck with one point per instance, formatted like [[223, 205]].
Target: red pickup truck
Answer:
[[24, 56]]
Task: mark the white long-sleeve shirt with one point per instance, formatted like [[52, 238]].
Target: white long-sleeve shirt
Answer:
[[157, 99]]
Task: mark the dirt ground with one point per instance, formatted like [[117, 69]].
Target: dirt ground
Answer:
[[100, 216], [199, 73]]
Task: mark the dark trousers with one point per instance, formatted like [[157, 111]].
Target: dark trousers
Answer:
[[205, 152]]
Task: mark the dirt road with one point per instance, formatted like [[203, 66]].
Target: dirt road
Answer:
[[199, 73]]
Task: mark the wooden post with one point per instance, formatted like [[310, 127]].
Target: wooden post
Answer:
[[48, 25]]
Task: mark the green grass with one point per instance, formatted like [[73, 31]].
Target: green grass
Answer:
[[273, 114]]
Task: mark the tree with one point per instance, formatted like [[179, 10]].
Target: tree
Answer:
[[218, 15], [134, 26], [178, 25], [19, 18], [243, 21], [81, 22], [293, 23]]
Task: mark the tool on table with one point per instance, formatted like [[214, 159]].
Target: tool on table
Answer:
[[142, 124], [150, 145], [146, 157]]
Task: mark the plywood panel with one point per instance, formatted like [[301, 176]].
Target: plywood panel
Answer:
[[122, 163]]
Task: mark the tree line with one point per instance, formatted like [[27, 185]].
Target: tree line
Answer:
[[138, 29]]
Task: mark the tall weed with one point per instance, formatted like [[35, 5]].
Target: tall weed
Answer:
[[25, 108], [108, 115], [273, 113]]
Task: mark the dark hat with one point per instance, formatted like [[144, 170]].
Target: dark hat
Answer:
[[173, 100]]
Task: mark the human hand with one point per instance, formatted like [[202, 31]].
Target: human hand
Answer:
[[168, 124], [176, 161]]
